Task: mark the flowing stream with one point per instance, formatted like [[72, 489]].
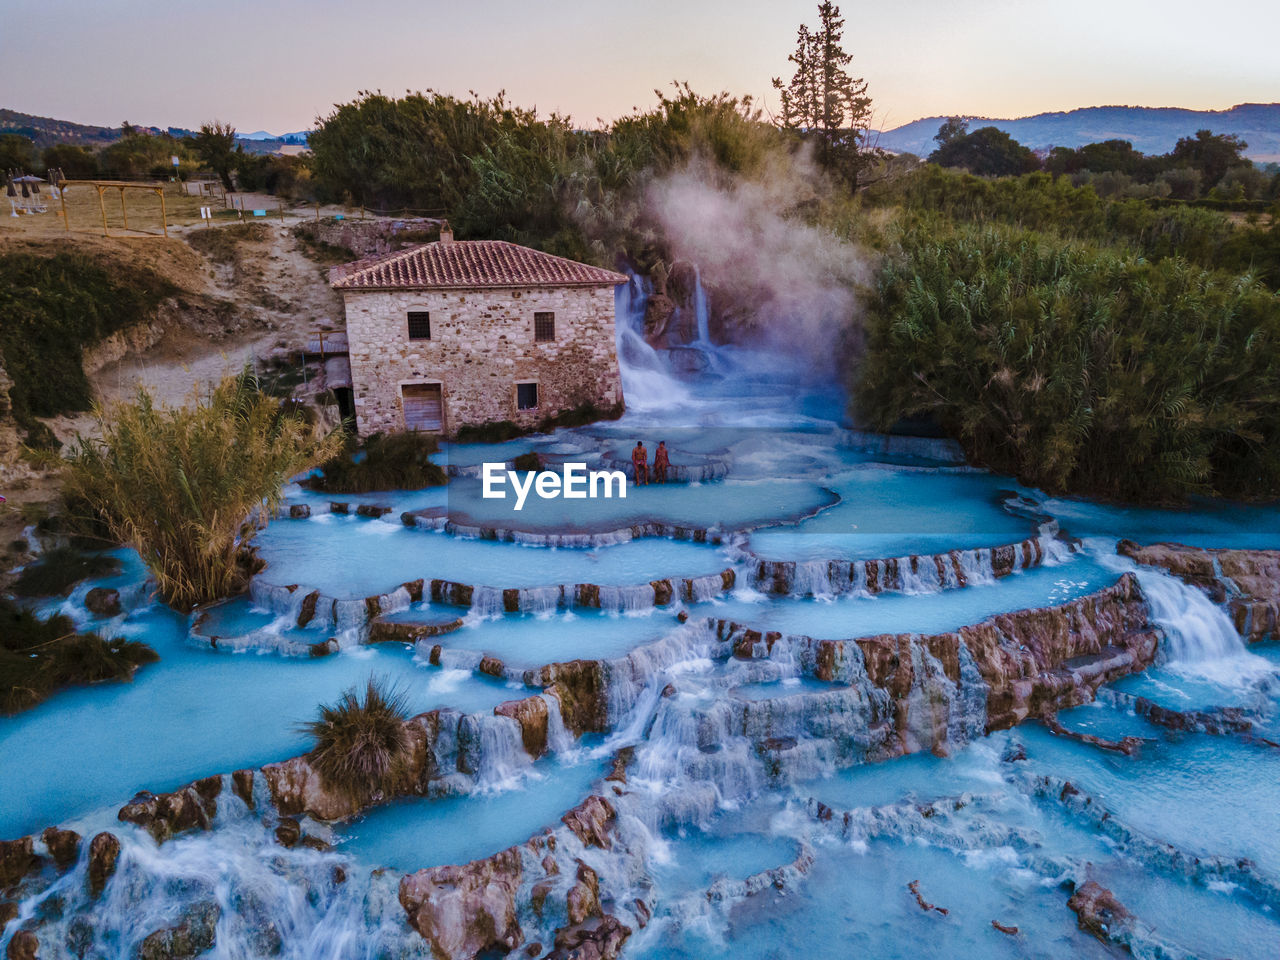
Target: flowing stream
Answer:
[[767, 809]]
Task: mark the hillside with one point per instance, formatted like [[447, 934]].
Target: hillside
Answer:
[[45, 131], [1152, 130]]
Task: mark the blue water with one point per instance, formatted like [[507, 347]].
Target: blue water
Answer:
[[349, 556], [533, 640], [856, 616], [193, 714], [888, 513], [412, 834], [990, 851]]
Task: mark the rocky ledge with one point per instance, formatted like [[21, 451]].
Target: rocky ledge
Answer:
[[467, 910], [1246, 581], [1027, 663], [955, 568]]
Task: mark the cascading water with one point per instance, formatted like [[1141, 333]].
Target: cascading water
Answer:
[[646, 379], [700, 311], [1199, 638]]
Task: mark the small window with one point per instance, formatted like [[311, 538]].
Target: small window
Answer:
[[544, 327], [526, 396], [419, 325]]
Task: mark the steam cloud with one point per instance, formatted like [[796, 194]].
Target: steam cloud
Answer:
[[774, 279]]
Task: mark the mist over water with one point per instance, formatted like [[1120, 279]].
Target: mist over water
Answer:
[[777, 281]]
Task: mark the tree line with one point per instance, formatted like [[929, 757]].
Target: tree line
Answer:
[[1203, 165]]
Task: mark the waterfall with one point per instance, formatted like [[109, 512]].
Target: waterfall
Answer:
[[918, 575], [628, 598], [976, 565], [1199, 638], [646, 381], [541, 600], [497, 751], [289, 904], [486, 603], [700, 309]]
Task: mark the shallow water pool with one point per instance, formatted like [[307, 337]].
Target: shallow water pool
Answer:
[[349, 556]]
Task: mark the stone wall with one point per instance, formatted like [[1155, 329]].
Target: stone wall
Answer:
[[482, 345]]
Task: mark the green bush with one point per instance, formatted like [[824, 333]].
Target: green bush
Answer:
[[1154, 227], [496, 431], [1078, 369], [39, 657], [361, 746], [528, 462], [54, 307], [57, 570], [396, 461], [500, 431]]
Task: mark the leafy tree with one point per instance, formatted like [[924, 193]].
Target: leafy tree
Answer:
[[951, 128], [16, 153], [1184, 182], [138, 154], [1213, 154], [215, 145], [1245, 182], [75, 162], [988, 152], [823, 103]]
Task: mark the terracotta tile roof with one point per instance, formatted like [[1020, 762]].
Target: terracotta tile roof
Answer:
[[468, 264]]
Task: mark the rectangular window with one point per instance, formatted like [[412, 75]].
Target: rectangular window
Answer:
[[526, 396], [544, 327], [419, 325]]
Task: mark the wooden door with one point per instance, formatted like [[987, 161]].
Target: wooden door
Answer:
[[423, 407]]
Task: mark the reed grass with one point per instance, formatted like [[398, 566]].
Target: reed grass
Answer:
[[187, 486], [1079, 369], [361, 745]]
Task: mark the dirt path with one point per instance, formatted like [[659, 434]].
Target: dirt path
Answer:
[[280, 296]]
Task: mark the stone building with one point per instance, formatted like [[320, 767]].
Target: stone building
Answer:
[[473, 331]]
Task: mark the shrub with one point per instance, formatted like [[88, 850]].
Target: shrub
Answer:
[[1077, 369], [496, 431], [181, 486], [361, 747], [528, 462], [38, 657], [58, 569], [397, 461], [499, 431], [53, 308]]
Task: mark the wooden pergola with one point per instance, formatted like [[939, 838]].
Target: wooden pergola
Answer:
[[102, 186]]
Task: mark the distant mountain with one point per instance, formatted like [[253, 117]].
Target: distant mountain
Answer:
[[1150, 129], [299, 136], [45, 131]]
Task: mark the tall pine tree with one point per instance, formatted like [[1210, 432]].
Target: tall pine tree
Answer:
[[823, 103]]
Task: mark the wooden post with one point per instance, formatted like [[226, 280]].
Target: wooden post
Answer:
[[164, 214], [62, 195], [124, 212], [103, 207], [317, 211], [280, 207]]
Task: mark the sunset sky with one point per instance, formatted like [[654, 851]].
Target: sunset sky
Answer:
[[277, 65]]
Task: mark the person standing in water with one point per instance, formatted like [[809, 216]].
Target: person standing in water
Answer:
[[640, 460], [661, 461]]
